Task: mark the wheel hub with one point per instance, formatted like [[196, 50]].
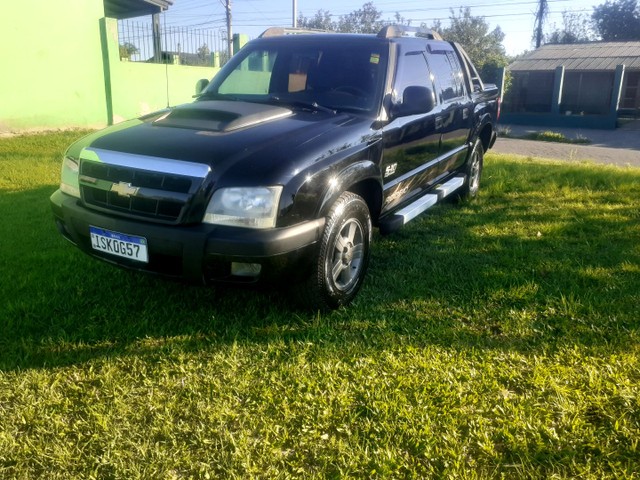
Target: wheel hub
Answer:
[[346, 263], [347, 254]]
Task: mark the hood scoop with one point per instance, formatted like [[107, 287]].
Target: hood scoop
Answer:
[[221, 116]]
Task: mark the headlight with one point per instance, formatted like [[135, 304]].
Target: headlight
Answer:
[[69, 177], [252, 207]]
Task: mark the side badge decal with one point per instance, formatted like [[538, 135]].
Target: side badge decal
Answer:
[[390, 170]]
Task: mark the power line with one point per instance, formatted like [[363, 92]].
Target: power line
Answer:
[[198, 4], [497, 15], [456, 7]]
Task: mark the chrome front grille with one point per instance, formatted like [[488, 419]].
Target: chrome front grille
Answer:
[[139, 178], [137, 186]]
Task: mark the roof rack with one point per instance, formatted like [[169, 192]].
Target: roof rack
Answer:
[[279, 31], [397, 31]]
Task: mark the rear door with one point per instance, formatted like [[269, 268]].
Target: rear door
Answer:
[[455, 117]]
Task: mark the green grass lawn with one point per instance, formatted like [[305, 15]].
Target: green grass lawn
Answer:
[[493, 339]]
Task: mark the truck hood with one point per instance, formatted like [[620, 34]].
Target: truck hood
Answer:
[[221, 116], [245, 141]]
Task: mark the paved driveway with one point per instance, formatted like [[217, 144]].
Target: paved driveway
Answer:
[[620, 146]]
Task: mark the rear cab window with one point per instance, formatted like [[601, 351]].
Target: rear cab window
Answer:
[[445, 66], [434, 64]]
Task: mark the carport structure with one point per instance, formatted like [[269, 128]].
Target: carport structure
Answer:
[[578, 85]]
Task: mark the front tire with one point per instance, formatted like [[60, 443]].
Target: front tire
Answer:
[[343, 257]]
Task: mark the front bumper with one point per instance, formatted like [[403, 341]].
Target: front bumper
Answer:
[[197, 253]]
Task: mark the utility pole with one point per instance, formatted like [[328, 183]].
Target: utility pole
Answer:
[[229, 32], [541, 15], [294, 23], [157, 45]]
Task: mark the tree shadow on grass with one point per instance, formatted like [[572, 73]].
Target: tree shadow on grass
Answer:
[[501, 273]]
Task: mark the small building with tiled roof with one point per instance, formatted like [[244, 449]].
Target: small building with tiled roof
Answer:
[[582, 84]]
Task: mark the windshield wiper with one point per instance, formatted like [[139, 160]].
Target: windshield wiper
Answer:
[[315, 106]]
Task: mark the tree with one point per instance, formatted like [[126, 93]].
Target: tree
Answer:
[[484, 47], [617, 20], [127, 49], [400, 20], [320, 21], [575, 28], [203, 52], [365, 20]]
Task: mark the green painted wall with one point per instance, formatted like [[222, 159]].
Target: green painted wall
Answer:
[[138, 88], [61, 68], [52, 72]]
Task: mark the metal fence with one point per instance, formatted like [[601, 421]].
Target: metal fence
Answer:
[[176, 45]]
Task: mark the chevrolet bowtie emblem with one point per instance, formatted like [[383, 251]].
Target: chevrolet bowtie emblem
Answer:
[[124, 189]]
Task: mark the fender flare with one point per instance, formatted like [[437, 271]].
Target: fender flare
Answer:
[[364, 173], [485, 121]]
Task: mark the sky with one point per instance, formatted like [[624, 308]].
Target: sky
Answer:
[[251, 17]]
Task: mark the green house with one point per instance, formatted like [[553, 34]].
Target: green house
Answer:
[[63, 65]]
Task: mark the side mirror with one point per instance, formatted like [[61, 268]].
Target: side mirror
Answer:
[[415, 100], [201, 85]]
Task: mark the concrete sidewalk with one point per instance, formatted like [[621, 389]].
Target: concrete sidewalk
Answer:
[[618, 147]]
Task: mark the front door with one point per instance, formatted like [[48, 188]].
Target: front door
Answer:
[[411, 144]]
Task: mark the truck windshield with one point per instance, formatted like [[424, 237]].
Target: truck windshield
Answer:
[[330, 76]]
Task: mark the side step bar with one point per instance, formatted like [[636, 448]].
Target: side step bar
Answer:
[[411, 211]]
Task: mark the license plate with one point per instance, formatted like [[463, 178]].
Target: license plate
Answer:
[[120, 244]]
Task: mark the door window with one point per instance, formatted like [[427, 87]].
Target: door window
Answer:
[[412, 70], [448, 74]]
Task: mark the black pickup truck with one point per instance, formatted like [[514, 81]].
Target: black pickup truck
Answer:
[[284, 162]]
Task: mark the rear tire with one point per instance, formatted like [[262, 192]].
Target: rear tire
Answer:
[[473, 172], [343, 258]]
